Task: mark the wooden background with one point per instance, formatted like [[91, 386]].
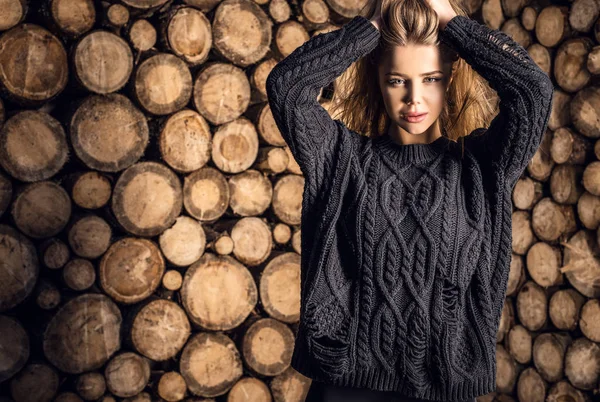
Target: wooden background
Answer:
[[150, 209]]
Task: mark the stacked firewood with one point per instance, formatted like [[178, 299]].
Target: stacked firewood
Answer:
[[150, 208]]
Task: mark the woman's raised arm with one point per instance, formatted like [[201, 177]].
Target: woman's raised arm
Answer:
[[294, 84], [524, 89]]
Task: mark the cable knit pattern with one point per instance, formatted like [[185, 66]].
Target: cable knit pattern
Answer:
[[406, 248]]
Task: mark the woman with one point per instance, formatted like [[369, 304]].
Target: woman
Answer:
[[406, 231]]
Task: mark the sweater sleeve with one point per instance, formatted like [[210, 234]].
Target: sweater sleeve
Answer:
[[295, 82], [525, 92]]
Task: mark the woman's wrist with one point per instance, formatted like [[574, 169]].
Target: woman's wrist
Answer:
[[375, 22], [445, 18]]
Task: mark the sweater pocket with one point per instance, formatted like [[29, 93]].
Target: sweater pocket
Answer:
[[330, 311]]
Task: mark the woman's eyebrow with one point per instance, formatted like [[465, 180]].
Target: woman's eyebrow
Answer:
[[421, 75]]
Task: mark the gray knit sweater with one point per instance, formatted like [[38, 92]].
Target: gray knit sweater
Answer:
[[406, 248]]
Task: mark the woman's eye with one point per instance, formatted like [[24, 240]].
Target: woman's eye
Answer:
[[428, 79]]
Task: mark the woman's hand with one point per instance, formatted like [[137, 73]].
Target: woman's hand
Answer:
[[444, 11]]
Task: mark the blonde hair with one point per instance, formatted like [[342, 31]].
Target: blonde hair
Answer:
[[357, 100]]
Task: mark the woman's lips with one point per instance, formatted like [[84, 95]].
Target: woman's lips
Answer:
[[414, 118]]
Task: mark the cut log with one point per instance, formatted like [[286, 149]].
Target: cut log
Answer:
[[235, 146], [14, 344], [55, 253], [280, 287], [37, 83], [315, 12], [221, 92], [541, 56], [160, 330], [507, 320], [90, 386], [89, 236], [33, 146], [548, 220], [202, 5], [544, 263], [563, 391], [519, 344], [591, 178], [141, 397], [131, 270], [91, 190], [492, 15], [560, 115], [241, 31], [252, 241], [549, 351], [163, 84], [83, 334], [290, 386], [552, 25], [287, 199], [258, 79], [589, 322], [581, 264], [568, 147], [187, 33], [526, 193], [267, 347], [147, 199], [249, 389], [185, 141], [206, 194], [564, 309], [172, 280], [267, 128], [290, 35], [142, 35], [108, 132], [68, 397], [223, 245], [251, 193], [145, 4], [13, 13], [531, 386], [506, 372], [570, 62], [582, 364], [172, 386], [532, 306], [36, 382], [117, 15], [184, 242], [213, 353], [271, 160], [584, 111], [103, 62], [19, 268], [583, 14], [48, 296], [79, 274], [218, 293], [127, 374], [588, 208], [41, 209], [72, 17]]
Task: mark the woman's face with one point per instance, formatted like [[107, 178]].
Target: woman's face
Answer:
[[414, 79]]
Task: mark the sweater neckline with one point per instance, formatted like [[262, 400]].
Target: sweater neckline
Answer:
[[410, 153]]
